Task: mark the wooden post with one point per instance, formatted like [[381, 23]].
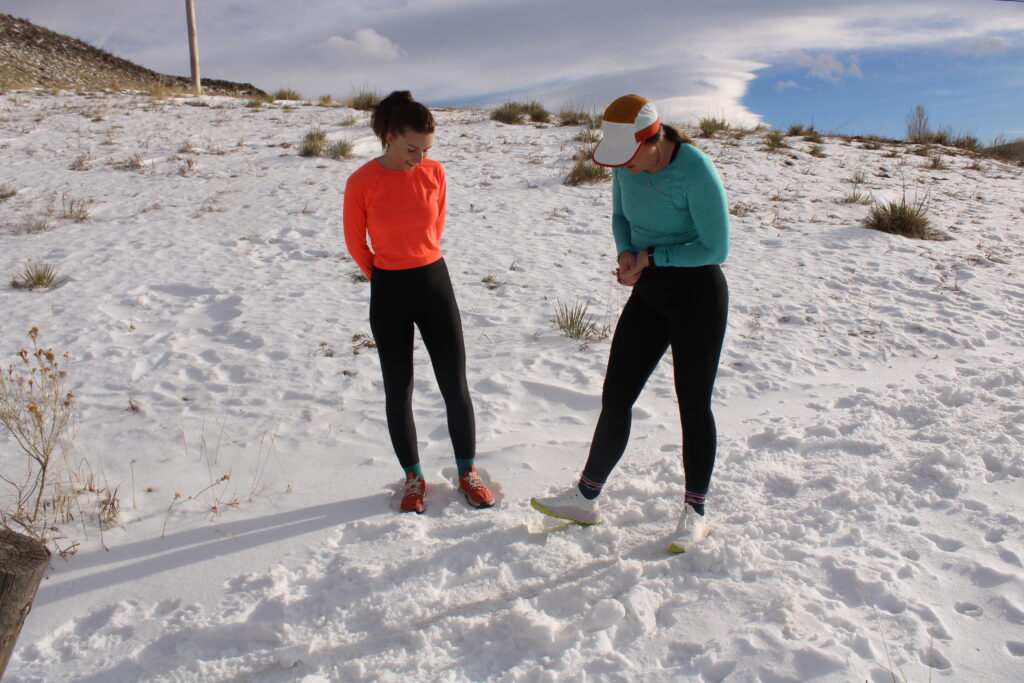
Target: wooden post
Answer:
[[23, 561], [193, 46]]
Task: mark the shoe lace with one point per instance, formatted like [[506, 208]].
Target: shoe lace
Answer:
[[413, 486], [473, 480]]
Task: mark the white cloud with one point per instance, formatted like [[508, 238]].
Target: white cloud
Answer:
[[364, 44], [786, 85], [854, 69], [982, 45], [827, 67], [822, 65]]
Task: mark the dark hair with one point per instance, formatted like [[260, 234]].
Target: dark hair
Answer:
[[399, 112], [667, 131]]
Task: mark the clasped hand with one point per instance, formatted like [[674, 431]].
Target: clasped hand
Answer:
[[631, 266]]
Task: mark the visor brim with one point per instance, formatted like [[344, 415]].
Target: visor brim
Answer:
[[614, 156]]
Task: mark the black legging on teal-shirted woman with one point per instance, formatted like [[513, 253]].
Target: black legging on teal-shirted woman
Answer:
[[683, 309]]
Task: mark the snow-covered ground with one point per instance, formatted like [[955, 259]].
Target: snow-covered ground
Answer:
[[867, 506]]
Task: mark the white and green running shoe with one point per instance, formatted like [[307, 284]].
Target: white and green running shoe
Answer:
[[690, 531], [570, 505]]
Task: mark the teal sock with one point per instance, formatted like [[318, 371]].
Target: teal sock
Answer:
[[415, 469], [464, 465]]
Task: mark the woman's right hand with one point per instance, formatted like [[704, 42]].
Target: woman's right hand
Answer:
[[627, 273]]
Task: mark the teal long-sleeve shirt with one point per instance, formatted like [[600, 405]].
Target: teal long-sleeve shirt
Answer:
[[681, 211]]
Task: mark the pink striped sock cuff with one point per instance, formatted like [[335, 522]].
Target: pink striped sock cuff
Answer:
[[696, 498]]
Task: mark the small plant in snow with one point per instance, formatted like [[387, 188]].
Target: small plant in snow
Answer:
[[108, 508], [573, 117], [516, 112], [364, 100], [132, 163], [510, 112], [313, 144], [72, 209], [286, 94], [775, 140], [741, 209], [7, 191], [711, 125], [900, 217], [36, 408], [575, 323], [586, 172], [362, 341], [81, 162], [35, 225], [492, 282], [36, 276], [340, 149], [855, 197]]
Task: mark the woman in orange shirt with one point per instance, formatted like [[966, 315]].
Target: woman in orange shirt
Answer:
[[398, 200]]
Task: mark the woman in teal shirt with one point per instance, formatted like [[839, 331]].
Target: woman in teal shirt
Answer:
[[670, 221]]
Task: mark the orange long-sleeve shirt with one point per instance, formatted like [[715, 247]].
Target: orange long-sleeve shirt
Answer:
[[402, 212]]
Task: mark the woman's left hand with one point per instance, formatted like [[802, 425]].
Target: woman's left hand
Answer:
[[643, 259], [631, 276]]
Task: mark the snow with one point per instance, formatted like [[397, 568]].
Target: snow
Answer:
[[867, 504]]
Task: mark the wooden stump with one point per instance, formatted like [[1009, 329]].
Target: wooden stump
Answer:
[[23, 561]]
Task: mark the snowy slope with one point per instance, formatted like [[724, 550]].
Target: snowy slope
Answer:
[[867, 506]]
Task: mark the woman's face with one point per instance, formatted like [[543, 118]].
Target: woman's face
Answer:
[[407, 150], [646, 159]]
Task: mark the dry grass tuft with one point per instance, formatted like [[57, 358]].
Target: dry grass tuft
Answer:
[[286, 94], [36, 276], [775, 140], [515, 113], [313, 143], [585, 171], [364, 100], [710, 125], [36, 409], [575, 323], [900, 217]]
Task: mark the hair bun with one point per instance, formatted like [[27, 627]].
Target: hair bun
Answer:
[[399, 112], [399, 96]]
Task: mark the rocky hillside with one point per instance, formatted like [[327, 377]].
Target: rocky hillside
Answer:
[[33, 56]]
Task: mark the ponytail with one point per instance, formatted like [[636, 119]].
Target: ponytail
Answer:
[[672, 133], [398, 113]]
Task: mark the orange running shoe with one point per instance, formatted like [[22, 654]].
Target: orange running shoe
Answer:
[[477, 493], [412, 494]]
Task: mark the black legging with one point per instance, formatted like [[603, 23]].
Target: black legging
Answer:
[[684, 308], [422, 297]]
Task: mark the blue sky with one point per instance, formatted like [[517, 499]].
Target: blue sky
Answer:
[[851, 66], [978, 94]]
